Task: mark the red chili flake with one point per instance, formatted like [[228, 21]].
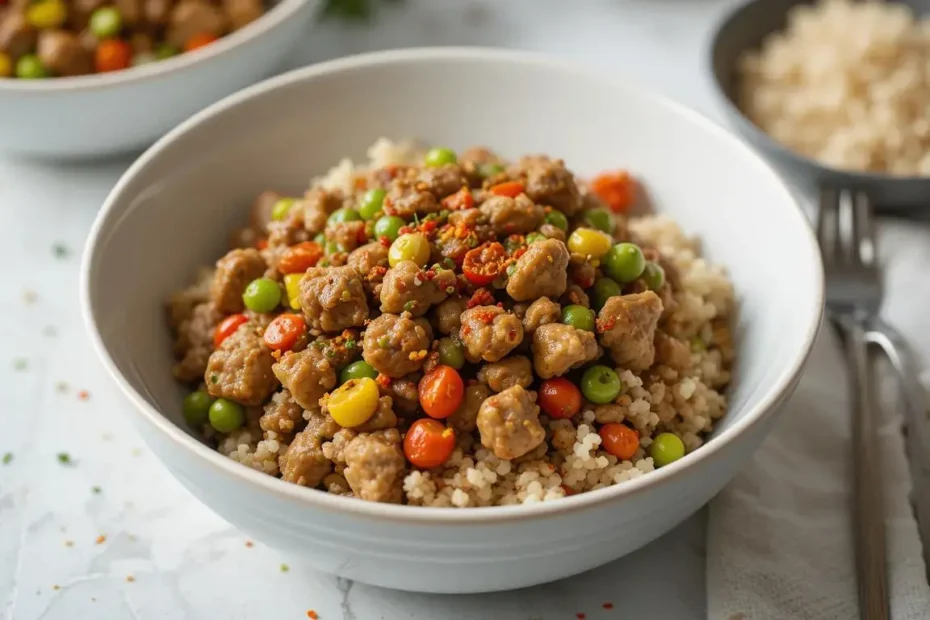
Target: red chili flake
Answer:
[[461, 199], [568, 490], [608, 605], [405, 230], [519, 252], [606, 324], [261, 244], [383, 380], [482, 297], [83, 395], [580, 616], [249, 544], [361, 236], [428, 226], [512, 334], [100, 539], [486, 316], [312, 615], [385, 241]]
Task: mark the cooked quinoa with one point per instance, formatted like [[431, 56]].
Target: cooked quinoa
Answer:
[[452, 378]]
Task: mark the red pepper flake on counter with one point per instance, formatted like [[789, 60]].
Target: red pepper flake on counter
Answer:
[[580, 615], [249, 544], [608, 605], [83, 395], [312, 615], [100, 539], [130, 578]]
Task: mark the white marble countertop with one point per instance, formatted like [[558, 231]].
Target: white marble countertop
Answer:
[[111, 535]]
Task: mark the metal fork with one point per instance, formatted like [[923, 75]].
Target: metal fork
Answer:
[[846, 233]]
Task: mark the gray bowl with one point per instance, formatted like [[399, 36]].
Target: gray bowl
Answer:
[[744, 28]]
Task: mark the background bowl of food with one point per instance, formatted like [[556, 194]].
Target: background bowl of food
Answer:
[[834, 92], [451, 369], [86, 78]]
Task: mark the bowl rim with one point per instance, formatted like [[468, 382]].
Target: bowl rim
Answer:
[[743, 122], [757, 414], [275, 16]]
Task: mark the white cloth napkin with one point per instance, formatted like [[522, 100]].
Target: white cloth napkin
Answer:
[[780, 539]]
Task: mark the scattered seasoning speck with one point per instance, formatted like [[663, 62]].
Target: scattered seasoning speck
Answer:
[[100, 539], [61, 387], [608, 605], [136, 452], [64, 458], [69, 543], [312, 614], [249, 544], [56, 587], [60, 251], [20, 363], [130, 578], [93, 599], [83, 395], [106, 436], [131, 537], [95, 489], [49, 331], [285, 568], [29, 297], [7, 458], [580, 616]]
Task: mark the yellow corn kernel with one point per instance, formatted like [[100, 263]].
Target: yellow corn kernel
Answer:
[[353, 402], [292, 287], [47, 14], [6, 65], [589, 242]]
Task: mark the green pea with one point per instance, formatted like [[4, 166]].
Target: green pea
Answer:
[[226, 415], [332, 247], [196, 408], [666, 448], [105, 22], [262, 295], [604, 289], [488, 169], [29, 67], [533, 237], [557, 219], [653, 276], [578, 317], [451, 353], [344, 214], [281, 208], [166, 50], [600, 384], [624, 262], [440, 156], [389, 226], [599, 219], [371, 203], [357, 370]]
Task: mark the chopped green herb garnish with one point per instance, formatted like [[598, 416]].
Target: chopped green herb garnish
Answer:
[[61, 251], [95, 489], [350, 344], [214, 379], [64, 458], [285, 568], [409, 306], [7, 458]]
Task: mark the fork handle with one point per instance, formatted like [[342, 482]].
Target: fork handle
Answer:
[[868, 501]]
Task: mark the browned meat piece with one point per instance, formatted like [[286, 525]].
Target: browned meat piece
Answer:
[[489, 333], [316, 207], [79, 14], [303, 462], [552, 232], [340, 350], [611, 412], [282, 414], [370, 255], [627, 326], [405, 394], [672, 352], [375, 466], [260, 215], [337, 485], [141, 43], [242, 12], [192, 17], [509, 216], [581, 272], [407, 288], [548, 182], [181, 304], [467, 217], [17, 37], [397, 345], [130, 11], [510, 371], [541, 312], [449, 315], [407, 196], [233, 273], [509, 423], [333, 299], [383, 418], [442, 181], [156, 12], [540, 271], [194, 342], [465, 418], [240, 369], [472, 161], [307, 375], [558, 348], [575, 295], [62, 53], [285, 233], [322, 425], [346, 234]]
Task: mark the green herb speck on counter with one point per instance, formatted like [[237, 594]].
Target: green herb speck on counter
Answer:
[[64, 458], [7, 458], [60, 251]]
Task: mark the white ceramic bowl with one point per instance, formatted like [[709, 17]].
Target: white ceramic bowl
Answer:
[[174, 208], [107, 114]]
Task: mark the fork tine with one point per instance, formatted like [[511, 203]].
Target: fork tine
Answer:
[[847, 229], [864, 229], [827, 224]]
